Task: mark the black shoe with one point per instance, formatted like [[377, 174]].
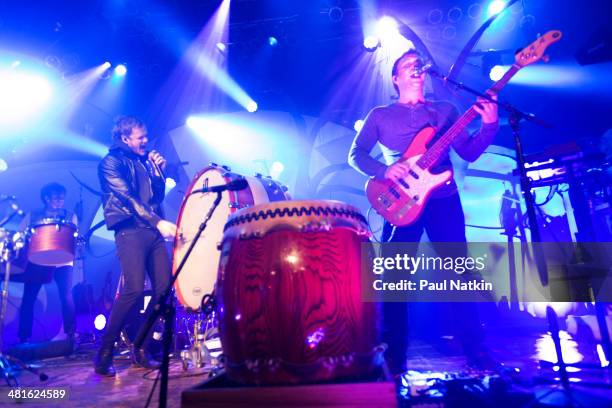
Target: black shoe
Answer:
[[141, 358], [103, 364]]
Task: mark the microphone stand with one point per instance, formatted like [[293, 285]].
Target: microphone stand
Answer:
[[166, 310], [516, 116]]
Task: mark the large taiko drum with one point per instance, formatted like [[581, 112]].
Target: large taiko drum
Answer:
[[289, 295], [199, 274], [52, 242]]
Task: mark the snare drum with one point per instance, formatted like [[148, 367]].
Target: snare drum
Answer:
[[52, 242], [289, 295], [199, 274]]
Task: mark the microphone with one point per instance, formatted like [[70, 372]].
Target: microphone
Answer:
[[420, 70], [238, 184], [156, 168]]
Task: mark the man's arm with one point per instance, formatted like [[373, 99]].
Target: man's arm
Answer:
[[112, 182], [359, 156]]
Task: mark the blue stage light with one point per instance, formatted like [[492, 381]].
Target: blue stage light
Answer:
[[496, 7], [358, 125], [497, 72], [120, 70], [272, 41], [371, 43], [251, 106]]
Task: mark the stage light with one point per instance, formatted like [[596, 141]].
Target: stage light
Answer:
[[23, 94], [276, 169], [497, 72], [192, 122], [100, 322], [358, 125], [120, 70], [251, 106], [386, 27], [106, 65], [3, 165], [272, 41], [221, 47], [170, 184], [496, 7], [371, 43]]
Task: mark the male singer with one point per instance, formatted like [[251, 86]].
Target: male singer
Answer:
[[133, 186]]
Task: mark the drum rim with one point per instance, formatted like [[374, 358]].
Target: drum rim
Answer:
[[53, 221], [294, 208]]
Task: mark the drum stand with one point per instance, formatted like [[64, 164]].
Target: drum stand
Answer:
[[7, 362], [200, 354], [165, 309]]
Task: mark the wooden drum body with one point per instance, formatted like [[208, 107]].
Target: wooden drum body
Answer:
[[289, 294]]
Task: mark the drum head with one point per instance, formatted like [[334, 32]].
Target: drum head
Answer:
[[199, 274]]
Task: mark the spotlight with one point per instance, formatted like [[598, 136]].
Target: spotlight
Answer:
[[276, 169], [3, 165], [496, 7], [497, 72], [100, 322], [170, 184], [22, 95], [371, 43], [221, 47], [120, 70], [191, 122], [386, 27], [106, 65], [272, 41], [358, 125], [251, 106]]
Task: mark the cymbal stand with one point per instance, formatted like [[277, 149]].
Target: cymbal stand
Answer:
[[8, 249]]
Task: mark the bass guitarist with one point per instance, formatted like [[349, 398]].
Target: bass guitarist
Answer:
[[395, 127]]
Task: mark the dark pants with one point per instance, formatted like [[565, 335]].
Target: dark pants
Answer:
[[139, 250], [444, 221], [63, 279]]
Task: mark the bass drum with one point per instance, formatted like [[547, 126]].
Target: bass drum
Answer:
[[199, 274]]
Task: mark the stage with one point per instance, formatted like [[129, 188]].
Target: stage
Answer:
[[319, 203], [517, 342]]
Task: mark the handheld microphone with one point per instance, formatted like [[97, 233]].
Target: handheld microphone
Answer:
[[420, 70], [238, 184], [156, 168]]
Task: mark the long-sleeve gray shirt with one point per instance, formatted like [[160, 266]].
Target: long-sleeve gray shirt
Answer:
[[395, 126]]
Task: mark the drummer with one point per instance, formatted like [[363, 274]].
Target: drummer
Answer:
[[52, 196]]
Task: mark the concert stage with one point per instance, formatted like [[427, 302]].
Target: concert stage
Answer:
[[523, 377], [291, 203]]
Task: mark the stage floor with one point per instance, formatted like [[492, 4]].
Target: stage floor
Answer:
[[519, 347]]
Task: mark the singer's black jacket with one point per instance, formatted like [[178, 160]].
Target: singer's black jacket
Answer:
[[122, 202]]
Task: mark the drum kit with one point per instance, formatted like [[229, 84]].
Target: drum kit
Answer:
[[48, 242], [285, 278]]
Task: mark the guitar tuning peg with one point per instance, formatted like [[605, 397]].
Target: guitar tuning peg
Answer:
[[545, 58]]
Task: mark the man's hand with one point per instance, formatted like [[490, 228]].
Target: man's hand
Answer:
[[397, 171], [158, 159], [166, 228], [487, 109]]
